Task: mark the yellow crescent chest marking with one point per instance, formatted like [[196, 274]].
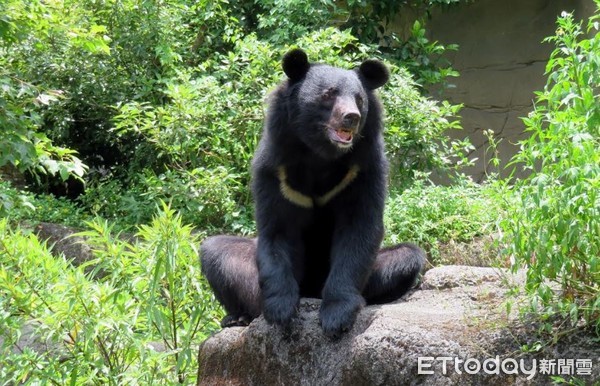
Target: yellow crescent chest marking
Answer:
[[291, 194], [305, 201], [348, 178]]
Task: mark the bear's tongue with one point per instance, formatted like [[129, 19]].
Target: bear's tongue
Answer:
[[344, 135]]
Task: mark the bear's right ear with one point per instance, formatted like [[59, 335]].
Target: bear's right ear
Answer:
[[295, 64], [374, 73]]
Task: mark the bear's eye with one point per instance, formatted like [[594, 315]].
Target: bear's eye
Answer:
[[329, 94], [359, 102]]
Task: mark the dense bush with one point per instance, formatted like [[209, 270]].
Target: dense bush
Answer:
[[208, 129], [19, 206], [134, 315], [555, 229], [371, 22], [415, 127], [432, 216], [162, 99], [24, 102]]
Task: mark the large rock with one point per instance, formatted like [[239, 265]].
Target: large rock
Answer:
[[458, 313], [66, 242], [62, 240]]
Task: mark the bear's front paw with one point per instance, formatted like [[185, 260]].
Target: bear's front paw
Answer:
[[338, 316], [280, 309]]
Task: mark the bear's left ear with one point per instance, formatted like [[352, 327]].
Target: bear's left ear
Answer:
[[373, 73], [295, 64]]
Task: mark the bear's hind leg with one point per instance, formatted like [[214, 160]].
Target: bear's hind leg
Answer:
[[229, 265], [394, 273]]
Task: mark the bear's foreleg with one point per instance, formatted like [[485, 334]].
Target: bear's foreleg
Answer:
[[356, 241], [277, 277]]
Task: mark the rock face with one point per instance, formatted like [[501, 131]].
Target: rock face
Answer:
[[62, 240], [457, 313], [501, 60]]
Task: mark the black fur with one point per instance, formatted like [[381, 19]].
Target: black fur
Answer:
[[319, 183]]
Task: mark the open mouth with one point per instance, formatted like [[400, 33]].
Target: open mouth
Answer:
[[341, 136]]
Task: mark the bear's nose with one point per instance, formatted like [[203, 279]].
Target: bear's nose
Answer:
[[350, 120]]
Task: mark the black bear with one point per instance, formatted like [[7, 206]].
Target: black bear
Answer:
[[319, 185]]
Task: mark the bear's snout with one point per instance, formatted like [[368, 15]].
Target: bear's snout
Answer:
[[346, 114]]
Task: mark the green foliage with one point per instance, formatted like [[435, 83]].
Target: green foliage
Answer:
[[23, 144], [163, 99], [555, 231], [145, 294], [302, 18], [370, 22], [202, 196], [371, 19], [423, 57], [65, 47], [17, 206], [12, 200], [23, 102], [414, 126], [430, 215], [195, 150]]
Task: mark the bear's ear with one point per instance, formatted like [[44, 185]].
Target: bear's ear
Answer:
[[295, 64], [373, 73]]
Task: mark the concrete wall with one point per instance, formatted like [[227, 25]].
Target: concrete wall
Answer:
[[501, 60]]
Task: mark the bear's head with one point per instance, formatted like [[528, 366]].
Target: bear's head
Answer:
[[329, 106]]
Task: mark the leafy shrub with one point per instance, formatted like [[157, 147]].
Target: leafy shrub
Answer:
[[23, 144], [415, 127], [107, 59], [12, 200], [24, 101], [196, 150], [85, 57], [145, 294], [422, 57], [202, 196], [149, 93], [209, 128], [555, 231], [369, 22], [17, 206], [431, 215]]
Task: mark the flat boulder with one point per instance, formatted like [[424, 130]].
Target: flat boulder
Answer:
[[455, 330]]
